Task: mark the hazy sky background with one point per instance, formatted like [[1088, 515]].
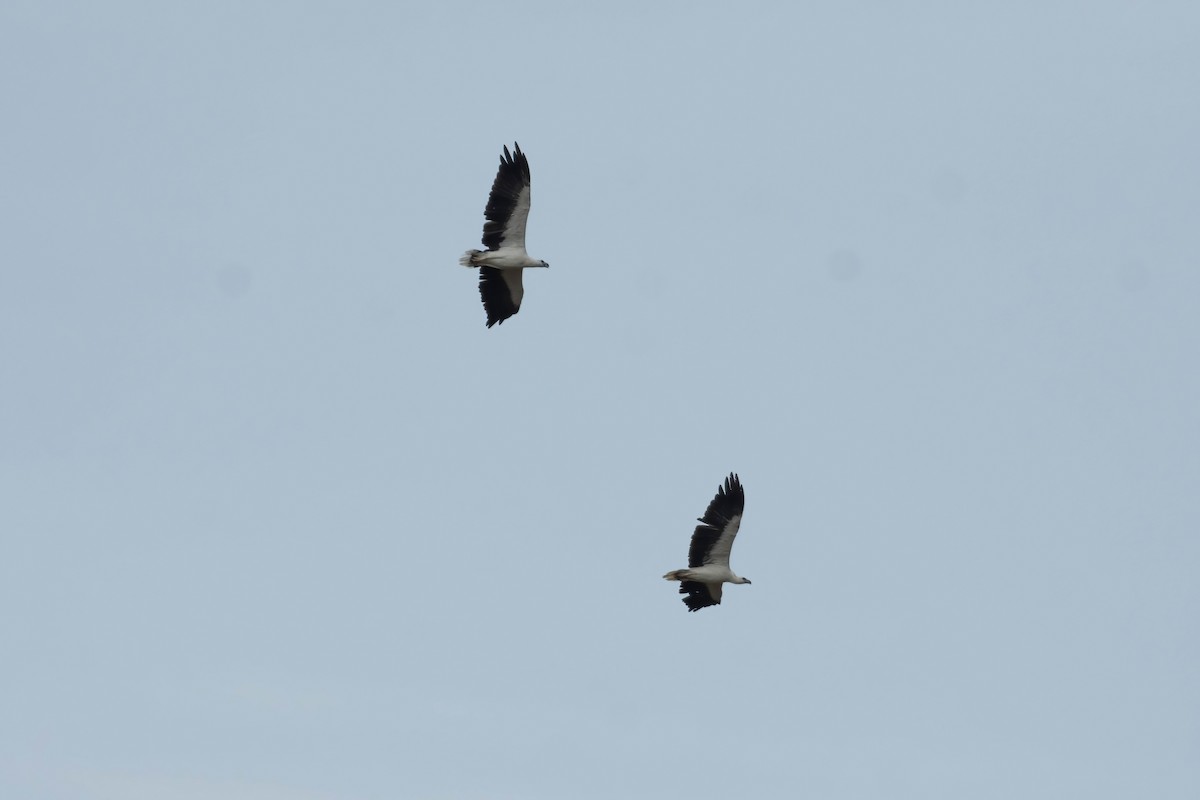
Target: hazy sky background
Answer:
[[281, 519]]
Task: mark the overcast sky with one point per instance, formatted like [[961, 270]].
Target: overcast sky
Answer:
[[281, 519]]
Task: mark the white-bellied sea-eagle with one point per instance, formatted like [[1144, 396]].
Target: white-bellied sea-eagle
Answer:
[[708, 558], [501, 265]]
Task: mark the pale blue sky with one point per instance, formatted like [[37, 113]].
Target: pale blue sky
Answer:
[[281, 519]]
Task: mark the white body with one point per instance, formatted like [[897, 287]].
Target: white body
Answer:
[[504, 258]]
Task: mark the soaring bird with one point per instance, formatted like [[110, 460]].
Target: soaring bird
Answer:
[[501, 265], [708, 558]]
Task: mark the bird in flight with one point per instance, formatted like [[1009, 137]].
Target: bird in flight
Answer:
[[708, 558], [503, 262]]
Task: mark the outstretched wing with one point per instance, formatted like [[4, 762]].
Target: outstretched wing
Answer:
[[714, 537], [700, 595], [508, 204], [501, 291]]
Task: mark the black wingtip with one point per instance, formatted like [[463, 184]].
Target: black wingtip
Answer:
[[496, 295], [733, 489], [696, 595]]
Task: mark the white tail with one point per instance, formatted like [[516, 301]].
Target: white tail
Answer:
[[468, 258]]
